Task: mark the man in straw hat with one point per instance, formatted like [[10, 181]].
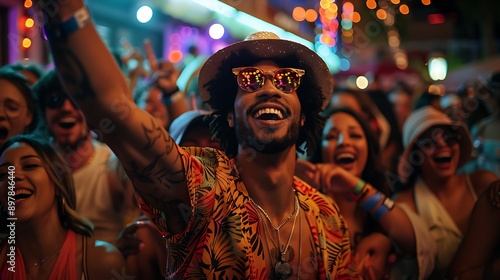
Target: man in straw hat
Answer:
[[237, 213]]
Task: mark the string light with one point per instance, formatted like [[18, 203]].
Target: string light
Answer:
[[26, 43], [28, 4]]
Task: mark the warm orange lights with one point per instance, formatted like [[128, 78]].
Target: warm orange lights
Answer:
[[381, 14], [28, 4], [395, 2], [311, 15], [394, 41], [175, 56], [29, 22], [356, 17], [299, 14], [404, 9], [426, 2], [26, 43], [371, 4]]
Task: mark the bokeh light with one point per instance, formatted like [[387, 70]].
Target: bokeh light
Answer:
[[216, 31], [144, 14]]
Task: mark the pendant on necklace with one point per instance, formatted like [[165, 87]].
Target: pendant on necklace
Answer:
[[282, 268]]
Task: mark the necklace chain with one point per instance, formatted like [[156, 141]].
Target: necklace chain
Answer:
[[269, 219], [42, 261], [282, 254]]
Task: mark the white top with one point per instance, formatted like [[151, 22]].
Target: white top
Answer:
[[93, 193]]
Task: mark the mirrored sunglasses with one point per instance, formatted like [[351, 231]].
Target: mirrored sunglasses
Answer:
[[251, 79]]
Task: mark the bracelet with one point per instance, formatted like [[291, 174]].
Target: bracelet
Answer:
[[166, 94], [372, 201], [359, 190], [61, 30], [360, 185], [383, 208]]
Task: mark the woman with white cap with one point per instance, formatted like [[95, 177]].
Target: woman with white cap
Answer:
[[435, 147]]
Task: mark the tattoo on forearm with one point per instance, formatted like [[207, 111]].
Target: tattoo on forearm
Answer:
[[71, 71], [152, 134]]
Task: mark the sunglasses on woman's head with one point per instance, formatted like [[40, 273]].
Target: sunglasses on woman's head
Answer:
[[251, 79]]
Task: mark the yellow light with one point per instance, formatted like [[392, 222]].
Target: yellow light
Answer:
[[426, 2], [299, 14], [333, 8], [381, 14], [330, 14], [26, 43], [371, 4], [356, 17], [28, 4], [404, 9], [324, 4], [29, 22], [311, 15]]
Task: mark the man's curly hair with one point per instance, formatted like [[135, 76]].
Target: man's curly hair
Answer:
[[223, 89]]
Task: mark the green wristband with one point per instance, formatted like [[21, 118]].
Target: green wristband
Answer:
[[359, 187]]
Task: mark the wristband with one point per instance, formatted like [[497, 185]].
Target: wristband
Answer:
[[360, 185], [382, 209], [372, 201], [167, 94], [359, 190], [61, 30]]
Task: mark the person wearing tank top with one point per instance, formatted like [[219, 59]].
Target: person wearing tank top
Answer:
[[52, 241], [435, 147], [104, 194]]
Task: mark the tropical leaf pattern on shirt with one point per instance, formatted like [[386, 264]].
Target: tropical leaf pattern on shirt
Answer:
[[222, 238]]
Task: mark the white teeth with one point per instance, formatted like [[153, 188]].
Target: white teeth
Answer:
[[67, 120], [443, 154], [344, 156], [269, 111], [23, 191]]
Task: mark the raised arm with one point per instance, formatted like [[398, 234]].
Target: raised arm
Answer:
[[94, 81]]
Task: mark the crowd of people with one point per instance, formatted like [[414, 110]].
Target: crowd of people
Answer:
[[110, 172]]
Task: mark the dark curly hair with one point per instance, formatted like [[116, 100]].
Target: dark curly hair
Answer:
[[372, 171], [223, 91]]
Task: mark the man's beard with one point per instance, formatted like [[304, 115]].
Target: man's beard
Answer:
[[268, 144], [69, 145]]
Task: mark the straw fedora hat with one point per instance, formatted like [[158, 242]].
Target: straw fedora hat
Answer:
[[216, 73], [417, 124]]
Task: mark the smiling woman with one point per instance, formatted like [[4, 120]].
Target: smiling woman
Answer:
[[17, 105], [435, 147], [43, 210]]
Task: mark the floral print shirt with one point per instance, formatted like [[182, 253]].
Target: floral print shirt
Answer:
[[221, 239]]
